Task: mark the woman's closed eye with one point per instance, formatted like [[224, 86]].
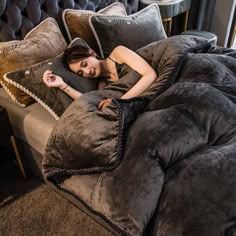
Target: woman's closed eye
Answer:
[[83, 63]]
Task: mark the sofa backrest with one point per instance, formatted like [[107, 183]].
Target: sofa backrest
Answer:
[[19, 17]]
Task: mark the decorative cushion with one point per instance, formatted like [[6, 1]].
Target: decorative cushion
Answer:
[[54, 100], [76, 22], [133, 31], [42, 42], [116, 8]]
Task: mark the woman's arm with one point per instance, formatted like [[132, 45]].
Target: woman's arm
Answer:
[[52, 80], [71, 91], [124, 55]]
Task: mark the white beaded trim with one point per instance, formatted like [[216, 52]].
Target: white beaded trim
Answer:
[[32, 95], [10, 94]]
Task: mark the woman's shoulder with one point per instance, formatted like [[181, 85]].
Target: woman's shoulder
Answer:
[[119, 50], [118, 54]]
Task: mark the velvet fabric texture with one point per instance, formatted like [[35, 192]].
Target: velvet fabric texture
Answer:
[[76, 22], [133, 31], [176, 147], [41, 43], [54, 100], [107, 144]]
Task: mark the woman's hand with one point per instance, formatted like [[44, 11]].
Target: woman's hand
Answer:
[[104, 103], [52, 80]]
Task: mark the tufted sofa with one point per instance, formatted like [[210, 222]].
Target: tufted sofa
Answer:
[[19, 17]]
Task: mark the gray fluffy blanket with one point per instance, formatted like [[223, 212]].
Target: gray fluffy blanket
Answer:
[[167, 157]]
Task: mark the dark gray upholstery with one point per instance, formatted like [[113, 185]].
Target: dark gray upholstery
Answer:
[[17, 17], [177, 152]]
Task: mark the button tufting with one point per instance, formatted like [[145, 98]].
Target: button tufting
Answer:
[[26, 14]]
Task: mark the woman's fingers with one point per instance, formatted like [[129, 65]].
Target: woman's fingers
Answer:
[[104, 103], [48, 77], [47, 73], [52, 80], [101, 105]]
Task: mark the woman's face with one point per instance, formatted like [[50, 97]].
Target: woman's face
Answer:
[[88, 67]]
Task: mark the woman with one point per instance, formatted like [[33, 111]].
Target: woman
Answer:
[[86, 63]]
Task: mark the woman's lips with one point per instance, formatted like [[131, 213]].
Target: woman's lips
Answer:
[[94, 73]]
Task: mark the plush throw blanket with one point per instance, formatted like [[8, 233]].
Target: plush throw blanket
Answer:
[[175, 138]]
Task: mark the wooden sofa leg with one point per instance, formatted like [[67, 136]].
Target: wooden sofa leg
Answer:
[[13, 141]]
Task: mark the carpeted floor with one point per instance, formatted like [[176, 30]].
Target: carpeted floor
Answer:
[[28, 207]]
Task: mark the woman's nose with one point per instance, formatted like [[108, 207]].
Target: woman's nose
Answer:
[[87, 71]]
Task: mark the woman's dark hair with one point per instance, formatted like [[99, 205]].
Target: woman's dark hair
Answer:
[[75, 53]]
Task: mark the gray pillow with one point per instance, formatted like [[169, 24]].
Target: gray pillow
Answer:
[[54, 100], [133, 31]]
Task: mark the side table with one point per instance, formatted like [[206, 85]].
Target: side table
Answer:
[[204, 34], [7, 137], [170, 9]]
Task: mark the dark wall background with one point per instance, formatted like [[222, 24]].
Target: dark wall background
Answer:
[[200, 16]]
